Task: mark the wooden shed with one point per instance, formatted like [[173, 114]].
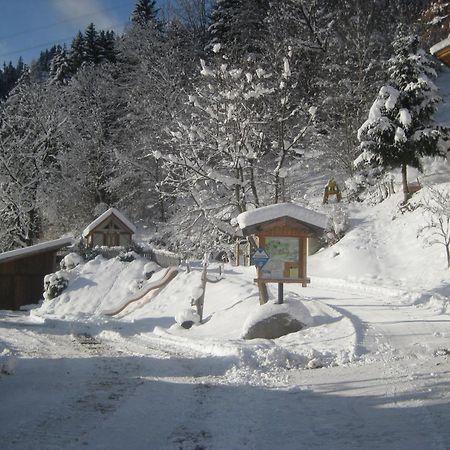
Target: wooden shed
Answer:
[[22, 272], [111, 229], [281, 233], [441, 51]]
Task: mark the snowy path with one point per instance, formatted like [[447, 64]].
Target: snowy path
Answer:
[[139, 391]]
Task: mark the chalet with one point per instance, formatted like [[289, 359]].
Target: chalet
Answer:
[[111, 229], [22, 272]]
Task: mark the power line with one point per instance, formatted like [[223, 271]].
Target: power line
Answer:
[[54, 24], [45, 44]]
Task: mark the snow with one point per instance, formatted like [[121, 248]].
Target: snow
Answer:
[[371, 369], [104, 216], [273, 212], [405, 117]]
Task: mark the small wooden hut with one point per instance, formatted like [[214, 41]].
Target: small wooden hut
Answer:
[[111, 229], [441, 51], [22, 272]]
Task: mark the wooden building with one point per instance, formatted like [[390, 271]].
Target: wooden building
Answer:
[[111, 229], [22, 272], [441, 51], [281, 233]]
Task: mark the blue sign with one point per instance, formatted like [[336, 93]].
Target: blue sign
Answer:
[[260, 257]]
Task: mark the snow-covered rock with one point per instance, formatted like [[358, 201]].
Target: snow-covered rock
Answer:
[[271, 321]]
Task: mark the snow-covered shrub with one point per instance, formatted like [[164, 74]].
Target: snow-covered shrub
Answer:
[[149, 269], [8, 362], [338, 224], [370, 185], [70, 261], [87, 253], [55, 284], [187, 316], [127, 256]]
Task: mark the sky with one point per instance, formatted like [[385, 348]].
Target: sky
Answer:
[[29, 26]]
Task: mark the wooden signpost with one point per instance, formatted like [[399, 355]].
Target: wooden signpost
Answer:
[[282, 244]]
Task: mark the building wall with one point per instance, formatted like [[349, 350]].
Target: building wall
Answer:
[[22, 280]]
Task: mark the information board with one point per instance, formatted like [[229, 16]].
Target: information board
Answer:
[[284, 258]]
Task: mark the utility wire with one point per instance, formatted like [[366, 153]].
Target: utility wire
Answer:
[[45, 44], [54, 24]]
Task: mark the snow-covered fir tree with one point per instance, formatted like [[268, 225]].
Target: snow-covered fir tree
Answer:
[[400, 129], [145, 12], [239, 27]]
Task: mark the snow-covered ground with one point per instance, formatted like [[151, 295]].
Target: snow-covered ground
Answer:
[[370, 371]]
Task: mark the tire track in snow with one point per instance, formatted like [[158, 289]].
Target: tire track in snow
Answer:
[[101, 379]]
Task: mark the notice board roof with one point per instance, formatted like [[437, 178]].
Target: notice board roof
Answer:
[[250, 220]]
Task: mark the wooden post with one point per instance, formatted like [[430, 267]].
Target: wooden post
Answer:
[[280, 293], [263, 293]]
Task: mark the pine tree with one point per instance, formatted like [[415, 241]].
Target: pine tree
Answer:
[[92, 50], [145, 12], [60, 70], [238, 26], [106, 42], [399, 129], [77, 52]]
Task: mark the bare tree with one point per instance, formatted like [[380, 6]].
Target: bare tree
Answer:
[[437, 211]]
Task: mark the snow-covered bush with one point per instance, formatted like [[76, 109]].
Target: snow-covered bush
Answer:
[[370, 185], [187, 318], [149, 269], [70, 261], [338, 224], [55, 284], [87, 253], [8, 362], [127, 256]]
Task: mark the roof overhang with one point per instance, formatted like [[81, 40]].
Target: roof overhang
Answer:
[[33, 250], [251, 222], [441, 51]]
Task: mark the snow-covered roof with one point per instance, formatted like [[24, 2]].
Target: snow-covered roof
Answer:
[[441, 50], [273, 212], [104, 216], [439, 46], [43, 247]]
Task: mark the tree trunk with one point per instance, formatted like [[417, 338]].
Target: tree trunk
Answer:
[[405, 183]]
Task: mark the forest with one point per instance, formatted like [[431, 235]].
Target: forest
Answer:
[[184, 123]]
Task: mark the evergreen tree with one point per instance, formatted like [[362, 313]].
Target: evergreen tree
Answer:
[[77, 52], [92, 49], [60, 69], [106, 42], [145, 12], [238, 26], [10, 75], [399, 129]]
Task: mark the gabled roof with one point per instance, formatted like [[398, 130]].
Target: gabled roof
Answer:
[[266, 214], [106, 215], [37, 249]]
